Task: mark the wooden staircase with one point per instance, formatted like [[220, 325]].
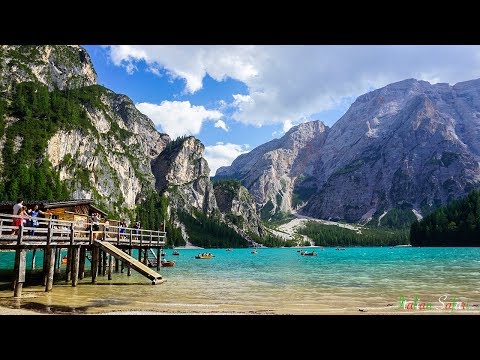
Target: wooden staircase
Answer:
[[129, 260]]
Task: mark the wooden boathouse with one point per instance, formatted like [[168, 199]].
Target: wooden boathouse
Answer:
[[68, 225]]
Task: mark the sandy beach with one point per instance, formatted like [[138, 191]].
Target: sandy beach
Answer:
[[8, 311]]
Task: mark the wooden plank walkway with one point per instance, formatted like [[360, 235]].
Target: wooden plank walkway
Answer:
[[129, 260]]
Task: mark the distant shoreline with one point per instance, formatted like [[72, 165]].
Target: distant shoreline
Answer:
[[188, 247]]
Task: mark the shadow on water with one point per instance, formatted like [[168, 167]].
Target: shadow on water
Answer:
[[13, 303], [54, 309], [63, 309]]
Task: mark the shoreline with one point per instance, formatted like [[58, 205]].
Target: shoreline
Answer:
[[9, 311]]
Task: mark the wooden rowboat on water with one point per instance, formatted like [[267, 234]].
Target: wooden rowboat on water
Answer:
[[204, 256], [167, 263]]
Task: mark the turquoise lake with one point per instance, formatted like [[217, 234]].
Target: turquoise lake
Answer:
[[275, 280]]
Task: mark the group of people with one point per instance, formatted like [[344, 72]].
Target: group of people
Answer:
[[26, 217], [29, 217], [96, 220]]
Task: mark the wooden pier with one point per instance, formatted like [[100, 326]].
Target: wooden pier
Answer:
[[104, 249]]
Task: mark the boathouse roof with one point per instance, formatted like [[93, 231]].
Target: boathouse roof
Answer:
[[6, 206]]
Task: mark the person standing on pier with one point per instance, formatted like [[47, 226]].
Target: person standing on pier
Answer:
[[96, 224], [136, 227], [123, 226], [33, 221], [16, 210]]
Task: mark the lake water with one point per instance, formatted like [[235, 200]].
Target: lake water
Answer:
[[278, 281]]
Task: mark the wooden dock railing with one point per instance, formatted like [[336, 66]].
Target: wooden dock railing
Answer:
[[62, 233]]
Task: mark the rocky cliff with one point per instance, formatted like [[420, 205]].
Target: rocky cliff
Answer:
[[410, 145], [274, 171], [183, 173], [110, 163], [238, 206], [58, 67], [97, 140]]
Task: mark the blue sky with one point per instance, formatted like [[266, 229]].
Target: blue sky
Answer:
[[234, 98]]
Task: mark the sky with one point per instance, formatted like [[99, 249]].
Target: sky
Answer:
[[236, 97]]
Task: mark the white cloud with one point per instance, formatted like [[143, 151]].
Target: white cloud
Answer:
[[287, 125], [178, 118], [191, 62], [221, 124], [291, 82], [222, 154]]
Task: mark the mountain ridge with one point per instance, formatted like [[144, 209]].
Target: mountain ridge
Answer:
[[410, 145]]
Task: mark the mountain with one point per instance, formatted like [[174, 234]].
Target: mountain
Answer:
[[96, 140], [64, 136], [271, 170], [183, 174], [238, 206], [399, 151], [182, 171], [58, 67]]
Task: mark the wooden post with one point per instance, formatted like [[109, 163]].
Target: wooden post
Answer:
[[110, 266], [159, 257], [34, 255], [49, 233], [104, 263], [94, 267], [129, 270], [90, 235], [45, 266], [68, 275], [50, 255], [145, 256], [20, 234], [140, 254], [117, 265], [81, 270], [100, 262], [58, 260], [75, 265], [122, 267], [20, 264], [15, 268], [72, 234]]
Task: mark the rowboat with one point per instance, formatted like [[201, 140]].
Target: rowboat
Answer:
[[204, 256], [175, 252], [167, 263], [306, 253]]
